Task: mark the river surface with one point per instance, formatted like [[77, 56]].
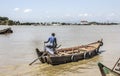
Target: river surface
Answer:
[[17, 50]]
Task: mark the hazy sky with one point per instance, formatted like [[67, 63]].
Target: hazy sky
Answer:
[[61, 10]]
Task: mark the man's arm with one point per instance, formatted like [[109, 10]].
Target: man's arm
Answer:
[[55, 42], [47, 41]]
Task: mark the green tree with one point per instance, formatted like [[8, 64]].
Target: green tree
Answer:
[[10, 22]]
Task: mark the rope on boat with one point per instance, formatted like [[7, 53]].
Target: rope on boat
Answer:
[[90, 54], [72, 57], [85, 53]]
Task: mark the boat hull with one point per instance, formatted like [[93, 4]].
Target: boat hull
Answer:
[[105, 71], [5, 31], [66, 56]]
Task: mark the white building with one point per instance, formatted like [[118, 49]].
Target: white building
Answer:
[[84, 22]]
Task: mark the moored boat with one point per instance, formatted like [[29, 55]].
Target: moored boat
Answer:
[[105, 71], [65, 55], [5, 31]]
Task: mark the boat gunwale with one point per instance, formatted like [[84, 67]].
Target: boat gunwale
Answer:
[[100, 68], [83, 51]]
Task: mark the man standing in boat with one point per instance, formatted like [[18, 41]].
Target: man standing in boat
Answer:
[[52, 44]]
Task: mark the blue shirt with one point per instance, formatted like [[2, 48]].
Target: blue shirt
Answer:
[[52, 41]]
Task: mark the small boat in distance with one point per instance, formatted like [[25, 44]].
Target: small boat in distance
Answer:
[[71, 54], [105, 71], [6, 31]]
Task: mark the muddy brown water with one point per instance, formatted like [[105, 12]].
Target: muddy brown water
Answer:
[[17, 50]]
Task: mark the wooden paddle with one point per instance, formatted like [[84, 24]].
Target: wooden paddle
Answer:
[[37, 58], [115, 64], [58, 46], [41, 56]]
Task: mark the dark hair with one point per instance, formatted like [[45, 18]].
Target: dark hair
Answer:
[[53, 34]]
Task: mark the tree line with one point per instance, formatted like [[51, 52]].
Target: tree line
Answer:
[[7, 21]]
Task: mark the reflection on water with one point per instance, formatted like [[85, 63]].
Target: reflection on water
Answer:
[[17, 50]]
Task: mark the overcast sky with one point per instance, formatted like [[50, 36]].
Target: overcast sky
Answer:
[[61, 10]]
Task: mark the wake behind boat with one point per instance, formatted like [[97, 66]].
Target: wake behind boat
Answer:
[[65, 55]]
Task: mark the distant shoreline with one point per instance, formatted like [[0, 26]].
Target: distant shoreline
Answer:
[[60, 25], [6, 21]]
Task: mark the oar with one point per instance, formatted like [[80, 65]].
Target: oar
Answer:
[[115, 64], [58, 46], [35, 60], [40, 56]]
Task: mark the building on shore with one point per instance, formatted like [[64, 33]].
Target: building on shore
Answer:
[[84, 22]]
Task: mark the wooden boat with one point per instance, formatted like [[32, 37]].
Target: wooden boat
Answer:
[[65, 55], [5, 31], [105, 71]]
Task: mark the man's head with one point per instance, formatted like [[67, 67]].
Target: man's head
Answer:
[[53, 34]]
